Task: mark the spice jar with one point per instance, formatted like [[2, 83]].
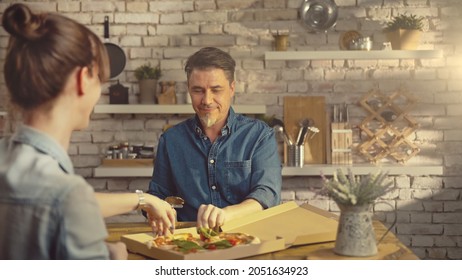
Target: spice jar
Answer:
[[124, 149]]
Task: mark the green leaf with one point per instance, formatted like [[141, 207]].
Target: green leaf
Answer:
[[206, 232], [186, 246]]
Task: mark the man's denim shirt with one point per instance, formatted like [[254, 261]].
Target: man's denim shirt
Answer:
[[242, 163], [46, 211]]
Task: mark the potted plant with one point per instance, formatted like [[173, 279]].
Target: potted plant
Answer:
[[355, 196], [148, 78], [404, 31]]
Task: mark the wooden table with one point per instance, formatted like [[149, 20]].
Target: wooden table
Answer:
[[389, 249]]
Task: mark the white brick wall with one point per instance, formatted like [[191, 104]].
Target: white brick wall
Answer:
[[429, 218]]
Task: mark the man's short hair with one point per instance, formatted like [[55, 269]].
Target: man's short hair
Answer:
[[210, 57]]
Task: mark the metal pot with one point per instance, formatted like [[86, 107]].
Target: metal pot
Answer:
[[319, 15]]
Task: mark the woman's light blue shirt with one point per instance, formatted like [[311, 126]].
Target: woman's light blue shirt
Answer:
[[46, 211]]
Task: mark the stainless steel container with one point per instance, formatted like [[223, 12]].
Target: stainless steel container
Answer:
[[363, 44]]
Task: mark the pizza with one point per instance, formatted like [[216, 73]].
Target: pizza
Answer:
[[206, 239]]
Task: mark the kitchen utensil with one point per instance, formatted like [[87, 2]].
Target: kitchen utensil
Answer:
[[115, 53], [175, 201], [319, 15], [278, 122], [305, 124], [314, 130], [280, 129]]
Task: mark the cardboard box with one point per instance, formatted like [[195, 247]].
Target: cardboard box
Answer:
[[137, 243], [298, 225], [277, 228]]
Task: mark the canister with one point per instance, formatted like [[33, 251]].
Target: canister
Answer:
[[295, 155]]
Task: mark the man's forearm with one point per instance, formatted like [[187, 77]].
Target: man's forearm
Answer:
[[239, 210]]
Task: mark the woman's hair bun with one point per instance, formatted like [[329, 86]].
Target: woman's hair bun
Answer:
[[20, 22]]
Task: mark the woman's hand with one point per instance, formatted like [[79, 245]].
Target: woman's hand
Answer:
[[161, 215]]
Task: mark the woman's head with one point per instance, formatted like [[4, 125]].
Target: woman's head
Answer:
[[44, 49]]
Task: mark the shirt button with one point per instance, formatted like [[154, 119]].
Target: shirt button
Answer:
[[212, 161], [205, 138], [214, 187]]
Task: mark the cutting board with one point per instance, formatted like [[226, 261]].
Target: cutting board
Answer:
[[297, 108]]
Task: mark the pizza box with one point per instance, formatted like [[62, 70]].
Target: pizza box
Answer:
[[297, 225], [137, 243], [278, 228]]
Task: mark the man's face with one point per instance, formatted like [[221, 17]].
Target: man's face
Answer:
[[211, 95]]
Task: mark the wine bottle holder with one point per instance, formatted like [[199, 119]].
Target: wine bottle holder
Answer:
[[387, 126]]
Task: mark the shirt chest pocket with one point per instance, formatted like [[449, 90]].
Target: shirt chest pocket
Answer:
[[237, 180]]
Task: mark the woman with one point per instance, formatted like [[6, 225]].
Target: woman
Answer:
[[53, 70]]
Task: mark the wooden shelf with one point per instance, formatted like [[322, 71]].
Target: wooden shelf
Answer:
[[307, 170], [317, 55], [167, 109]]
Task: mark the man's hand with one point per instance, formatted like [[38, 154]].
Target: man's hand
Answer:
[[210, 216]]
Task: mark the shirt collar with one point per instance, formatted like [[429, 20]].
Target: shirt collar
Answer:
[[45, 144]]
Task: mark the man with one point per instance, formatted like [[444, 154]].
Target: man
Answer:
[[224, 165]]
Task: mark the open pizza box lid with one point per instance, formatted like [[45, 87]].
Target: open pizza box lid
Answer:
[[277, 228], [297, 225]]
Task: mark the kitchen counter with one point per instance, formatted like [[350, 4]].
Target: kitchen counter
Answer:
[[389, 249]]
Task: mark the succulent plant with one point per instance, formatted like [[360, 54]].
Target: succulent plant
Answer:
[[404, 21], [356, 190], [146, 72]]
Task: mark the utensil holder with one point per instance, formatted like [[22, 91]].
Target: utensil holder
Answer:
[[295, 155]]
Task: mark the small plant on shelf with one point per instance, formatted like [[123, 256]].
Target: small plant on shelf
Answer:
[[404, 21], [146, 72], [403, 31], [148, 77]]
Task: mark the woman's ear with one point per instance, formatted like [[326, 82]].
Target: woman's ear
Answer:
[[82, 75], [79, 82]]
